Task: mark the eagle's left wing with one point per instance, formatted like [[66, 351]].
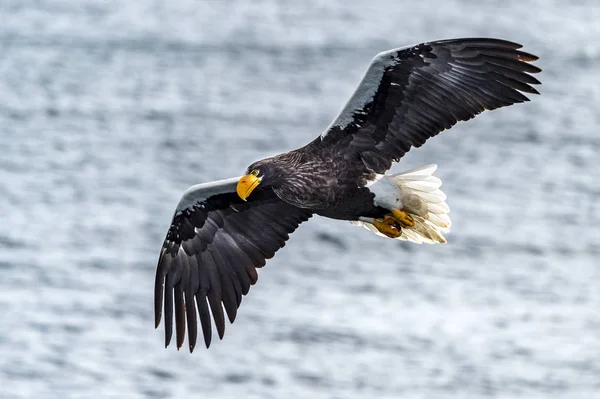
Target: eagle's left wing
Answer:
[[211, 252], [413, 93]]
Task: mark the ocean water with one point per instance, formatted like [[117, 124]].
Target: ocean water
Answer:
[[109, 110]]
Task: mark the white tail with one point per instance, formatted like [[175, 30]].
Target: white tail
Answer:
[[422, 199]]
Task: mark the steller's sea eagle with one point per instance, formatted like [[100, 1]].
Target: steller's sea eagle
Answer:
[[222, 231]]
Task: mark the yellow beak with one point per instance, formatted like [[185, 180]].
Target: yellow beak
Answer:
[[246, 185]]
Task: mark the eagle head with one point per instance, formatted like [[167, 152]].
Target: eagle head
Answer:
[[264, 173]]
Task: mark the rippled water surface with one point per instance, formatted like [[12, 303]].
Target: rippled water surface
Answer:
[[109, 110]]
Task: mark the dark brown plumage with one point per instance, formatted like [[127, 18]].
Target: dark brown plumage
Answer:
[[216, 240]]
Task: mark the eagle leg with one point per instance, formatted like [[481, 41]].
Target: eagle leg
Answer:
[[403, 218], [388, 226]]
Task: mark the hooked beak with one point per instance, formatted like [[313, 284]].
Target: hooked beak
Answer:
[[246, 185]]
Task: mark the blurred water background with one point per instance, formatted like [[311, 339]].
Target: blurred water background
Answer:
[[110, 109]]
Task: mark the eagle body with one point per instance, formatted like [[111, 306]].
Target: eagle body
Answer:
[[323, 181], [222, 231]]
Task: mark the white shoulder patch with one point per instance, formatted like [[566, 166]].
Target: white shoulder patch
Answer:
[[366, 89], [202, 191]]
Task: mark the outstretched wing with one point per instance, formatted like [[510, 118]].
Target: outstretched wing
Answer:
[[410, 94], [211, 252]]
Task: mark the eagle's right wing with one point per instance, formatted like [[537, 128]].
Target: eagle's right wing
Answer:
[[211, 252], [413, 93]]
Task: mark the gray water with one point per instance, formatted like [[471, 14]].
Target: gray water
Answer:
[[109, 110]]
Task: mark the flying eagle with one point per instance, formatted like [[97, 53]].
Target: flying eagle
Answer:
[[223, 231]]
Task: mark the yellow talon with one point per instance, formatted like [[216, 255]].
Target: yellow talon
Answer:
[[388, 226], [403, 218]]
